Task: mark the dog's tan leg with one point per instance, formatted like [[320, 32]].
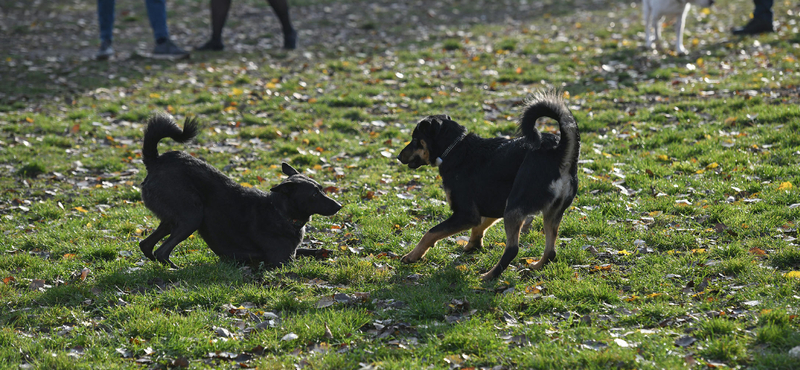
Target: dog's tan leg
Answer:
[[455, 224], [476, 238], [514, 221], [551, 224]]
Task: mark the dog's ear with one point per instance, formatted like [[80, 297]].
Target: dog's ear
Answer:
[[288, 170], [285, 187]]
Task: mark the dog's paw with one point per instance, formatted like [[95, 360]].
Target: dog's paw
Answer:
[[407, 259], [489, 276], [167, 262], [473, 247], [682, 51]]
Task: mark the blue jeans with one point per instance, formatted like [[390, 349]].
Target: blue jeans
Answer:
[[156, 13], [763, 10]]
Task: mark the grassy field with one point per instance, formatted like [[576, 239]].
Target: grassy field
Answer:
[[679, 251]]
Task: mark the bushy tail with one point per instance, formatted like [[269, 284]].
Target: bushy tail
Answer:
[[160, 126], [550, 104]]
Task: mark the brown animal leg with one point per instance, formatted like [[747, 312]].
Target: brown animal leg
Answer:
[[476, 238], [450, 226], [551, 224], [513, 221]]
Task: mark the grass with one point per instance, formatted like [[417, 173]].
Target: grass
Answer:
[[684, 224]]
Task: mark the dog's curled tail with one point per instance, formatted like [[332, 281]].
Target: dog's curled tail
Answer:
[[551, 104], [160, 126]]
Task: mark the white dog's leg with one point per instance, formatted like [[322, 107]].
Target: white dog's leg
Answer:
[[679, 31], [646, 19]]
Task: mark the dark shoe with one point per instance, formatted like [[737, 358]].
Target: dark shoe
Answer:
[[290, 40], [754, 27], [105, 51], [168, 50], [211, 45]]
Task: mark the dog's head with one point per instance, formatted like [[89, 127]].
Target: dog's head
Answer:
[[429, 139], [305, 194]]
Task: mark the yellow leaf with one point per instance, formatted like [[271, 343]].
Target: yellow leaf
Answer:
[[154, 95], [80, 209], [712, 166], [785, 186], [705, 11], [237, 91], [566, 94], [270, 85], [30, 120], [792, 274], [700, 171], [663, 157], [653, 295], [624, 252], [246, 185], [698, 250], [461, 267]]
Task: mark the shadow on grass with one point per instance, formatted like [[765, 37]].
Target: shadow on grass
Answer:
[[47, 60]]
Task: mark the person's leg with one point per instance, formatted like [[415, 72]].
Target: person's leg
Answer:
[[219, 14], [281, 9], [157, 14], [105, 17], [761, 22], [763, 9]]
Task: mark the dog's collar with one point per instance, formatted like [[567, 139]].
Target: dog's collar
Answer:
[[438, 161]]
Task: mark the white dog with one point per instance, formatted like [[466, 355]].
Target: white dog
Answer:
[[654, 10]]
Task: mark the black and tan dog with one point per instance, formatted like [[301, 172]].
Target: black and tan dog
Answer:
[[486, 179], [239, 223]]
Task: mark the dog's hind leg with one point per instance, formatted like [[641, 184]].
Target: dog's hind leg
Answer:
[[181, 230], [151, 240], [679, 24], [551, 222], [476, 238], [514, 219], [455, 224], [646, 9]]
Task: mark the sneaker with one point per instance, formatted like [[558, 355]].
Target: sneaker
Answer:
[[211, 45], [290, 40], [168, 50], [105, 51], [754, 27]]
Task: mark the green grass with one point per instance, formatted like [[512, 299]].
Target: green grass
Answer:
[[700, 244]]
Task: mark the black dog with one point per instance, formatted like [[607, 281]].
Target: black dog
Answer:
[[239, 223], [486, 179]]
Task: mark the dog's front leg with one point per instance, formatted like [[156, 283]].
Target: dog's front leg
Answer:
[[455, 224], [476, 238]]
